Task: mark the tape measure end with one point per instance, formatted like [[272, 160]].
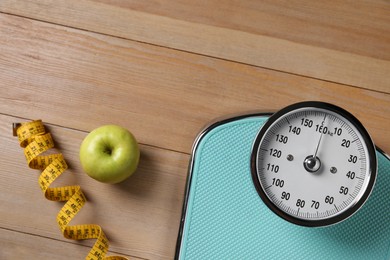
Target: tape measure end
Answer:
[[15, 127]]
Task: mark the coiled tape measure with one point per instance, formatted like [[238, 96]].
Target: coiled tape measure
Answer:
[[35, 141]]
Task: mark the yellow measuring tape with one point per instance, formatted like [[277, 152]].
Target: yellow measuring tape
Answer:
[[35, 140]]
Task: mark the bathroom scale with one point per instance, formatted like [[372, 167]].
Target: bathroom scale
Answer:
[[306, 182]]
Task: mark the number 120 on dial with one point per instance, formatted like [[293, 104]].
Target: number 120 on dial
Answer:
[[313, 164]]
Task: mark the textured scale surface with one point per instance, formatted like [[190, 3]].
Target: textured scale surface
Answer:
[[226, 218]]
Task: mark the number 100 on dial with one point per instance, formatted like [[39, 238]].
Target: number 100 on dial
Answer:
[[313, 164]]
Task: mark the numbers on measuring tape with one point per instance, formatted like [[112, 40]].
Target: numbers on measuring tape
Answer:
[[313, 164], [35, 140]]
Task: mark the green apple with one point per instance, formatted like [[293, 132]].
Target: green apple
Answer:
[[109, 154]]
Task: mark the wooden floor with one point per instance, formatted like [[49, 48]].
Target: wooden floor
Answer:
[[164, 69]]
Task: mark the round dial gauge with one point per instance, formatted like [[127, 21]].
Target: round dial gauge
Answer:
[[313, 164]]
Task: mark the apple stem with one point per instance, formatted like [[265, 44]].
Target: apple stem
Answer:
[[108, 151]]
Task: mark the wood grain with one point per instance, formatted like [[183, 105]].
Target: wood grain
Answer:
[[27, 246], [330, 25], [320, 40], [165, 69], [122, 82]]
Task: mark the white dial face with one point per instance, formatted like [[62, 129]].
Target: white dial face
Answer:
[[313, 164]]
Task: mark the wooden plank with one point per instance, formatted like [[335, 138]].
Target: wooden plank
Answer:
[[82, 80], [16, 245], [139, 216], [319, 40], [331, 25], [78, 80]]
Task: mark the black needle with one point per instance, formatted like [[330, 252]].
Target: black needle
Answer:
[[319, 141], [312, 163]]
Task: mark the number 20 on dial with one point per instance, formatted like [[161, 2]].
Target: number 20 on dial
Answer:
[[313, 164]]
